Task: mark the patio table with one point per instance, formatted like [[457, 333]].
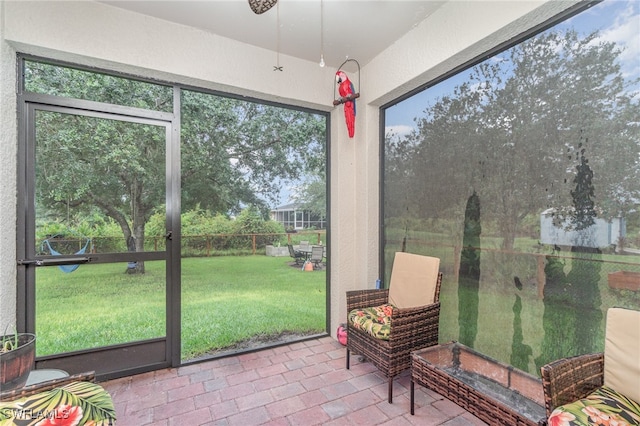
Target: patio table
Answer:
[[306, 250], [496, 393]]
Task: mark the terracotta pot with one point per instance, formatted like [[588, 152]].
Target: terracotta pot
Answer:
[[16, 364]]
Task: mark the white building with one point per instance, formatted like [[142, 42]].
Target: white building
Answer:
[[293, 217], [602, 233]]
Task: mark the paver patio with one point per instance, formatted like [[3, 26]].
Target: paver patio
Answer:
[[303, 383]]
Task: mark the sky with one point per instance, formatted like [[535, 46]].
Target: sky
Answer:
[[617, 21]]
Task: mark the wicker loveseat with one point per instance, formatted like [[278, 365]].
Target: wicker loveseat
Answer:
[[598, 389]]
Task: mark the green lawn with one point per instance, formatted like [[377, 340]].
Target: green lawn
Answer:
[[225, 300], [515, 325], [230, 299]]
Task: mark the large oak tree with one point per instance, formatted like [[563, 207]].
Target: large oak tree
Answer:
[[233, 152], [511, 133]]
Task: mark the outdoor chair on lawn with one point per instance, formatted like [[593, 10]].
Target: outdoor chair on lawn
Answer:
[[317, 254], [298, 257], [386, 325]]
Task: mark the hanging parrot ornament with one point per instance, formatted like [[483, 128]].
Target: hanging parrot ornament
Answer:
[[347, 92]]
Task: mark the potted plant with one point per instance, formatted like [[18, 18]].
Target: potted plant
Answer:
[[17, 356]]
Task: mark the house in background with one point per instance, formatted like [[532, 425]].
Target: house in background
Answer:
[[292, 216], [603, 233]]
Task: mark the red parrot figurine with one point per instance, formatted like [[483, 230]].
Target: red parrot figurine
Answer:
[[345, 89]]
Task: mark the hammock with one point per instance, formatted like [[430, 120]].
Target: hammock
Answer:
[[67, 268]]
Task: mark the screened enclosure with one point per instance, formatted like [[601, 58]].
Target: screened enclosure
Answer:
[[511, 171], [147, 218]]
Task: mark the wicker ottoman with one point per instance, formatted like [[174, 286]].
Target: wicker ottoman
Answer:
[[492, 391]]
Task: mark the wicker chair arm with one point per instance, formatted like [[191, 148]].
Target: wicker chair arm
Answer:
[[407, 321], [46, 386], [400, 314], [570, 379], [358, 299]]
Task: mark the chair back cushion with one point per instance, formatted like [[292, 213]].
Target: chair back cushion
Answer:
[[622, 352], [413, 280]]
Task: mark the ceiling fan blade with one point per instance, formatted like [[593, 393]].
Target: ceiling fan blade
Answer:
[[261, 6]]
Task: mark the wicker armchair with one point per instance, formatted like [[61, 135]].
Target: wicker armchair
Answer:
[[570, 379], [59, 399], [586, 389], [29, 390], [411, 327]]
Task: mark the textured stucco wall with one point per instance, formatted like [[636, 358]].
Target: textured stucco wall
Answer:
[[98, 35], [8, 150]]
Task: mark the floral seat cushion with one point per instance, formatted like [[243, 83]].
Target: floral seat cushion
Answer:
[[375, 320], [602, 407], [73, 404]]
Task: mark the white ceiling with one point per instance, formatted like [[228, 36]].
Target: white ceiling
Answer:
[[357, 29]]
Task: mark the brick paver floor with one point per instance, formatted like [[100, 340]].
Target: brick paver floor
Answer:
[[303, 383]]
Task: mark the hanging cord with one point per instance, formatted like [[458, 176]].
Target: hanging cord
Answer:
[[277, 67], [321, 35]]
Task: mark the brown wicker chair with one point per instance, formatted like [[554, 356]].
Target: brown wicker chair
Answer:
[[570, 379], [411, 328], [600, 384], [29, 390]]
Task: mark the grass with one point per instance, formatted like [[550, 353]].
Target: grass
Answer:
[[228, 300], [497, 328], [500, 331], [241, 297], [225, 300]]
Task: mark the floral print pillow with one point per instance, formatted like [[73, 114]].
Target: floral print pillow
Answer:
[[375, 320], [603, 407]]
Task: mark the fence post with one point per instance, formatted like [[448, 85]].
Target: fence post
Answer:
[[253, 243], [540, 276]]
